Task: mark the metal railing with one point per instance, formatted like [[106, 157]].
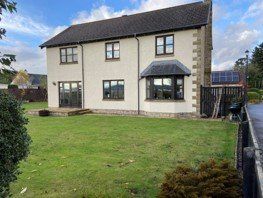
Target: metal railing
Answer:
[[249, 157]]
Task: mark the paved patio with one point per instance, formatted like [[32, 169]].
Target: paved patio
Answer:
[[61, 111]]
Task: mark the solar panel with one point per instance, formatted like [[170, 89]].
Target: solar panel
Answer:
[[225, 77]]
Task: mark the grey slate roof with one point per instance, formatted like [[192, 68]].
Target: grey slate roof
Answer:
[[174, 18], [166, 67]]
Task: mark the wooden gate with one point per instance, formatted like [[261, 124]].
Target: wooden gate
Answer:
[[229, 95]]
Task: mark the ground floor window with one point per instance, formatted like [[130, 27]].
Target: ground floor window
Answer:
[[113, 89], [165, 88], [70, 94]]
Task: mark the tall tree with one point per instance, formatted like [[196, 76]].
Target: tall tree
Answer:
[[8, 6], [257, 58], [240, 65]]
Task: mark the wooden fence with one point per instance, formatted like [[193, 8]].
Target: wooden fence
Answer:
[[209, 96], [31, 95]]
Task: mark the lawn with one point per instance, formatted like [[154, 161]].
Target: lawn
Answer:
[[115, 156]]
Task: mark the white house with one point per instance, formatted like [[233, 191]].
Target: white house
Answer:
[[150, 63]]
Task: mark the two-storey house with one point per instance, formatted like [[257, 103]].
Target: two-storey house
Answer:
[[150, 63]]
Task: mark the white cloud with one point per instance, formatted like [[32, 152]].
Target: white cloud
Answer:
[[105, 12], [254, 10], [30, 58], [23, 24], [231, 43]]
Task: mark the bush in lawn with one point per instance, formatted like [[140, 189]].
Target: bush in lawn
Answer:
[[14, 140], [208, 180], [254, 97]]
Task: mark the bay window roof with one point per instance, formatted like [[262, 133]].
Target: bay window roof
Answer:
[[166, 68]]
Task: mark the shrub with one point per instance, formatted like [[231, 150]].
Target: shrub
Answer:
[[208, 180], [12, 86], [14, 140], [43, 112], [253, 97], [261, 92], [253, 90]]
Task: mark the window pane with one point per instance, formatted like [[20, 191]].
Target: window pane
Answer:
[[179, 88], [66, 94], [116, 54], [160, 41], [109, 54], [121, 89], [179, 81], [169, 48], [169, 40], [109, 47], [75, 50], [63, 51], [75, 58], [69, 58], [157, 83], [116, 46], [148, 86], [114, 89], [69, 51], [106, 89], [160, 50], [167, 88], [63, 59]]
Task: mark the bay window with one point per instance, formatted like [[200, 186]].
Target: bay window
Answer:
[[165, 88]]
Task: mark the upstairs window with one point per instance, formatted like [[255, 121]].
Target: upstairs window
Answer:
[[69, 55], [112, 51], [113, 89], [165, 88], [164, 45]]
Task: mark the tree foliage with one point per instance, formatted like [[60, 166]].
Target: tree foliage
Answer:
[[255, 64], [14, 140], [9, 6], [208, 180], [257, 58]]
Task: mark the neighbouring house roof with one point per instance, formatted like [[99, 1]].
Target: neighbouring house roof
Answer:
[[166, 67], [186, 16], [226, 77], [35, 79]]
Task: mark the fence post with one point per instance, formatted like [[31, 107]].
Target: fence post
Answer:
[[248, 172], [201, 99], [245, 130]]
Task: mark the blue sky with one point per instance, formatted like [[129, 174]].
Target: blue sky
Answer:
[[237, 25]]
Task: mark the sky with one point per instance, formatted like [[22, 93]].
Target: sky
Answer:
[[237, 26]]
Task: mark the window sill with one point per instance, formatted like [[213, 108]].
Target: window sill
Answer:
[[112, 60], [71, 63], [164, 55], [104, 99], [161, 100]]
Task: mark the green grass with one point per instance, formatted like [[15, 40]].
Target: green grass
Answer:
[[115, 156], [35, 105]]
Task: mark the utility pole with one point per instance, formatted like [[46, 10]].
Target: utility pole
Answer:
[[246, 76]]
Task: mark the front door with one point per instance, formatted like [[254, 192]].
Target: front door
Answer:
[[70, 94]]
